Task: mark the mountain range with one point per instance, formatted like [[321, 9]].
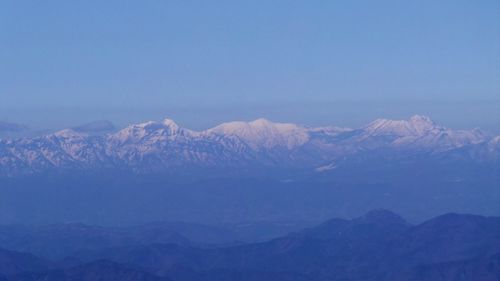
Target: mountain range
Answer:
[[379, 245], [153, 147]]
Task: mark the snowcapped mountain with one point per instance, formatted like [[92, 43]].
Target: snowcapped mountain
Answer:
[[151, 132], [155, 146], [416, 126], [160, 146], [264, 134], [422, 132]]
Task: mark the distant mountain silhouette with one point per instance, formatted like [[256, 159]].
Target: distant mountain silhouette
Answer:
[[376, 222], [59, 240], [377, 246]]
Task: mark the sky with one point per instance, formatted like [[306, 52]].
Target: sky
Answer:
[[343, 63]]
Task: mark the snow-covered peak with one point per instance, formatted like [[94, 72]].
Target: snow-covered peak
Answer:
[[494, 142], [168, 125], [69, 133], [423, 124], [415, 126], [423, 132], [421, 119], [261, 122], [150, 131], [171, 124], [262, 133]]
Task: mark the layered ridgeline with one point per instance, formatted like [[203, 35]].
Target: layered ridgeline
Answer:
[[378, 246], [165, 146]]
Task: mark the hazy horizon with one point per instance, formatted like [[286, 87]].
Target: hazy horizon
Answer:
[[483, 115], [331, 64]]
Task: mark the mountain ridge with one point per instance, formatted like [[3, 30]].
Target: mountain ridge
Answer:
[[364, 248], [158, 146]]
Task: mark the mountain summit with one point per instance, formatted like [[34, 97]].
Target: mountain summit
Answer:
[[417, 125], [262, 133]]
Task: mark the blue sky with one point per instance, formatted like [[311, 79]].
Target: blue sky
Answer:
[[202, 62]]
